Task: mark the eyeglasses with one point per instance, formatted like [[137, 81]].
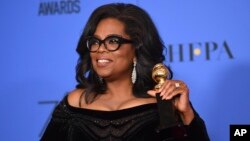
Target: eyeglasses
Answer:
[[111, 43]]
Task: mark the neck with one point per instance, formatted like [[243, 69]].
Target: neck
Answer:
[[120, 89]]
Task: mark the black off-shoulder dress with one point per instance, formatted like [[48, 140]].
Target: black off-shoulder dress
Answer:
[[138, 123]]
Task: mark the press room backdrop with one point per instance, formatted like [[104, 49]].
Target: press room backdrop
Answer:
[[208, 45]]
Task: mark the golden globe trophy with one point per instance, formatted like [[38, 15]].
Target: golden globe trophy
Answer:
[[166, 110]]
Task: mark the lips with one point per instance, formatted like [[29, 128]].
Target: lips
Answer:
[[103, 62]]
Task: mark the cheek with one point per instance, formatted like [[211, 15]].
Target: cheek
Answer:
[[92, 59], [125, 57]]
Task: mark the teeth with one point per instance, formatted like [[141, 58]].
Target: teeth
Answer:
[[102, 61]]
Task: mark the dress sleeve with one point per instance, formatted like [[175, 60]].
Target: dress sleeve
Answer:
[[197, 130], [57, 128]]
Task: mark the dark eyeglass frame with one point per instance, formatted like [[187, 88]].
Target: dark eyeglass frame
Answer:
[[121, 41]]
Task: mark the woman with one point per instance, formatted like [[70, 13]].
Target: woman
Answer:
[[114, 99]]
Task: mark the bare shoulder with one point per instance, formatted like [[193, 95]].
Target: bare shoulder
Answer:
[[74, 97]]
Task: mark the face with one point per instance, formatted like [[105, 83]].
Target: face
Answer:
[[112, 64]]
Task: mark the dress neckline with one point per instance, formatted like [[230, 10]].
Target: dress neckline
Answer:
[[111, 114]]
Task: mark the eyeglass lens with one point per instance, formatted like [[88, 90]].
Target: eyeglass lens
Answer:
[[111, 43]]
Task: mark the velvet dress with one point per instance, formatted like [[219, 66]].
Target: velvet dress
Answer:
[[138, 123]]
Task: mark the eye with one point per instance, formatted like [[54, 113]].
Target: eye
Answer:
[[93, 41], [113, 40]]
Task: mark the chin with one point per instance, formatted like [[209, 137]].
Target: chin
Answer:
[[104, 75]]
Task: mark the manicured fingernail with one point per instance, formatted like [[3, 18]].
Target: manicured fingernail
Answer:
[[161, 94]]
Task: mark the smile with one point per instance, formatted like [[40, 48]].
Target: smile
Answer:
[[103, 61]]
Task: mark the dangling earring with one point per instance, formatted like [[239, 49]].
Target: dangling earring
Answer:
[[100, 80], [133, 77]]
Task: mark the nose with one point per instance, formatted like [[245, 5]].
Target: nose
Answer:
[[102, 48]]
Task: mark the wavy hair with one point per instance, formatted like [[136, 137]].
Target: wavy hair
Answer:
[[147, 42]]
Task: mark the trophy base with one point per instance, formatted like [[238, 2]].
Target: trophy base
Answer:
[[170, 128]]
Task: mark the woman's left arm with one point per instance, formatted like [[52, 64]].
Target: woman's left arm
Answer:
[[179, 93]]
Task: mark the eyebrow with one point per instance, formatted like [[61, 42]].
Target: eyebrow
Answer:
[[98, 37]]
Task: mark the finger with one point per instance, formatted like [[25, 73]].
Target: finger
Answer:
[[165, 87], [173, 94], [168, 90], [178, 93], [174, 85], [152, 93]]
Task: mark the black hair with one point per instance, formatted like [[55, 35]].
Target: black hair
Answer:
[[147, 42]]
